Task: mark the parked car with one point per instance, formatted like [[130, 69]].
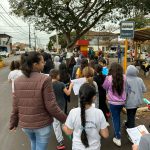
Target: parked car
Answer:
[[19, 52], [4, 54]]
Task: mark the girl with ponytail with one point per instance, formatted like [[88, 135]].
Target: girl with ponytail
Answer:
[[86, 123], [88, 73]]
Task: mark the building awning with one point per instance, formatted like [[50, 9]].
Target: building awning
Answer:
[[5, 36], [142, 34]]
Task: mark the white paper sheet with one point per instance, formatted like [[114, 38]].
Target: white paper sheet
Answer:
[[77, 84], [136, 133]]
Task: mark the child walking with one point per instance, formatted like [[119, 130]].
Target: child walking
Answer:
[[114, 84], [15, 72], [88, 73], [99, 78], [135, 89], [86, 123], [59, 90], [103, 63]]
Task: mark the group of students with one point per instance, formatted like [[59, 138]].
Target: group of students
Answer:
[[40, 101]]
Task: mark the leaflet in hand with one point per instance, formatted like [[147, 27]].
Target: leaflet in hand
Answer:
[[77, 84], [136, 133]]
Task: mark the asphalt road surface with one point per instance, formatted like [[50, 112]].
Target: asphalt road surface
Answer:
[[17, 140]]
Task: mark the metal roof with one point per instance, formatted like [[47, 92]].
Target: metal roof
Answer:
[[4, 36], [142, 34]]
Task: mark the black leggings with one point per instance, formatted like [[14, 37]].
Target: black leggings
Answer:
[[131, 118], [103, 106]]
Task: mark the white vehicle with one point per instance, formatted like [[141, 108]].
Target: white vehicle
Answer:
[[4, 54], [19, 52]]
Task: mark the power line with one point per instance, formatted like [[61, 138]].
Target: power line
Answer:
[[9, 23], [11, 17]]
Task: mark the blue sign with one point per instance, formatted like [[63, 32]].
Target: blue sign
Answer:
[[127, 30]]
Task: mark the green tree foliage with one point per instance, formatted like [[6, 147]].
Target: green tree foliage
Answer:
[[78, 16], [140, 21]]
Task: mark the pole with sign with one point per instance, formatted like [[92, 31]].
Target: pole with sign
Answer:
[[126, 32]]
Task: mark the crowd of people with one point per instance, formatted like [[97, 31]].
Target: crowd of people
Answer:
[[42, 89]]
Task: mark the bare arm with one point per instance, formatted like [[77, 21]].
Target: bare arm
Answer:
[[67, 130], [134, 147], [104, 133], [68, 91]]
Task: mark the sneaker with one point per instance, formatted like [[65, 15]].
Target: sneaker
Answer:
[[61, 146], [117, 141]]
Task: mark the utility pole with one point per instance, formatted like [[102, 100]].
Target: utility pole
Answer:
[[35, 39], [57, 41], [29, 36]]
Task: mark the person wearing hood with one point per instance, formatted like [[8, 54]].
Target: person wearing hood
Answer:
[[135, 88], [48, 63], [78, 63], [56, 62]]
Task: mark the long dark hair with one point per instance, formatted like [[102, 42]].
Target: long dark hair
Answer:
[[84, 63], [71, 62], [27, 61], [116, 71], [14, 65], [86, 94], [98, 71], [64, 75]]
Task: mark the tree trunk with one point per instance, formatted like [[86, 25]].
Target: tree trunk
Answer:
[[70, 42]]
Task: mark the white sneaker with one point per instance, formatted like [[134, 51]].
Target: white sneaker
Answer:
[[117, 141]]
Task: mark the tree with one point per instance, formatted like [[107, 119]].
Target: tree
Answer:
[[78, 16], [140, 21]]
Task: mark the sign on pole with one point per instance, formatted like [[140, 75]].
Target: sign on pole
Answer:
[[127, 30]]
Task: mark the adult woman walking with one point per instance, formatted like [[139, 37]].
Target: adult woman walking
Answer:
[[34, 104], [115, 87]]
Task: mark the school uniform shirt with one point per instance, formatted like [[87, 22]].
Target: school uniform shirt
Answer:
[[13, 75], [95, 121]]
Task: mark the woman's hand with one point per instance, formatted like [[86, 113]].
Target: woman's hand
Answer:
[[13, 129], [134, 147], [71, 85]]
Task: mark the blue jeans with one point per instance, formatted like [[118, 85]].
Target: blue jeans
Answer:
[[39, 138], [115, 112]]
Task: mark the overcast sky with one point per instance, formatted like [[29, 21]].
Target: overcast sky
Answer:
[[18, 29]]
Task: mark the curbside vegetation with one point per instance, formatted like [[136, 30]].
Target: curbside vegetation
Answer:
[[2, 64]]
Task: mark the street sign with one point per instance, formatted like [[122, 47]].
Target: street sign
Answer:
[[127, 30]]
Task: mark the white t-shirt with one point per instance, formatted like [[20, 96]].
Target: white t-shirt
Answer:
[[13, 75], [95, 121]]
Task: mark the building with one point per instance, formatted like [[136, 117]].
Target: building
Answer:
[[5, 43], [101, 40]]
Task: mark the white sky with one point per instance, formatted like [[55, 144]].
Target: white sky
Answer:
[[19, 33]]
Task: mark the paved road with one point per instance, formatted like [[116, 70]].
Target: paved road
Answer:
[[17, 140]]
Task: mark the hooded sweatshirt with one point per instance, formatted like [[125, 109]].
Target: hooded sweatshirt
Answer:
[[78, 64], [135, 88], [56, 62]]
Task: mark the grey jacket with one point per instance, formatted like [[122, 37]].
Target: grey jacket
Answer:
[[135, 88]]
